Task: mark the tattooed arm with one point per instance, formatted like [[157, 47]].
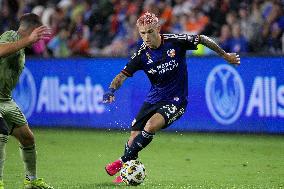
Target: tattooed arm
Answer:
[[232, 58], [118, 81], [115, 84]]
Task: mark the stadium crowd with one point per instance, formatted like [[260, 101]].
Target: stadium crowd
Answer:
[[108, 27]]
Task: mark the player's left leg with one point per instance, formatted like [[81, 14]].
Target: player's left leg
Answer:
[[146, 111], [115, 166], [139, 140], [154, 124]]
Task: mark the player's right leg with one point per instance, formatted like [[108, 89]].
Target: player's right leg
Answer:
[[3, 141], [137, 141], [138, 124], [115, 166]]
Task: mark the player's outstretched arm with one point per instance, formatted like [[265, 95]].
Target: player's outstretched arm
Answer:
[[232, 58], [115, 84], [38, 33]]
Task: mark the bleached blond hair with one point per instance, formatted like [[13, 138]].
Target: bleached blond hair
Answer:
[[148, 19]]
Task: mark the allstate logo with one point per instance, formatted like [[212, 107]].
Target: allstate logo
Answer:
[[225, 94], [25, 93]]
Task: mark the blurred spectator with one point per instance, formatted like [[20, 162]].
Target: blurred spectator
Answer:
[[225, 37], [231, 18], [39, 48], [238, 42], [197, 22], [273, 27], [8, 15], [165, 11], [273, 44], [244, 21], [177, 26], [47, 15], [216, 18], [101, 23], [59, 44], [254, 26]]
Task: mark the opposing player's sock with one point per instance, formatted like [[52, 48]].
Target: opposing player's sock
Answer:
[[28, 154], [139, 142], [3, 142]]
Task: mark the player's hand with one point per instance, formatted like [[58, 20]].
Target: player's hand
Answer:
[[40, 33], [232, 58], [109, 96]]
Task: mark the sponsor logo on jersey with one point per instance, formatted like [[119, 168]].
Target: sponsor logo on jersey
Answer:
[[168, 66], [165, 67]]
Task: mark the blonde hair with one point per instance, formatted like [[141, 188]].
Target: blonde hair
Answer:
[[148, 19]]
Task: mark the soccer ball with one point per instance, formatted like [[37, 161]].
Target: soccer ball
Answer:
[[133, 172]]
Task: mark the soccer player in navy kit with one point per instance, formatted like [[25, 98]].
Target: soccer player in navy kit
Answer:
[[163, 59]]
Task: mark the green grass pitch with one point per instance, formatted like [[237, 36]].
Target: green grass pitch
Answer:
[[75, 159]]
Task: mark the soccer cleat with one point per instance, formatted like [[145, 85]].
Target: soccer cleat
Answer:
[[1, 184], [117, 180], [36, 184], [114, 167]]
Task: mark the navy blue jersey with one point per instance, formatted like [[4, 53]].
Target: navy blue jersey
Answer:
[[165, 67]]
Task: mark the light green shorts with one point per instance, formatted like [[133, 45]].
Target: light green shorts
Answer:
[[12, 114]]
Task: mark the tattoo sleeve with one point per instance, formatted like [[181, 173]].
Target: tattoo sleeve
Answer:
[[118, 81], [208, 42]]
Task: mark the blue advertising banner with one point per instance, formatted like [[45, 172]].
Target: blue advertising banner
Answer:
[[222, 98]]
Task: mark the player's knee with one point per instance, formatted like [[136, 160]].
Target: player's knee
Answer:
[[152, 127], [150, 130], [3, 127], [27, 140]]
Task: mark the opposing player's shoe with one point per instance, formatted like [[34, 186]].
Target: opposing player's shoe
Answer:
[[114, 167], [1, 184], [117, 180], [36, 184]]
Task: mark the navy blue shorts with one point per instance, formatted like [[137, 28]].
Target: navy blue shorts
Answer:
[[170, 111]]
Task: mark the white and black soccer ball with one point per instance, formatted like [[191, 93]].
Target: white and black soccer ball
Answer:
[[133, 172]]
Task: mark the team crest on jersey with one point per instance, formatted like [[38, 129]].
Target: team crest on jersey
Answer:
[[149, 58], [171, 53]]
